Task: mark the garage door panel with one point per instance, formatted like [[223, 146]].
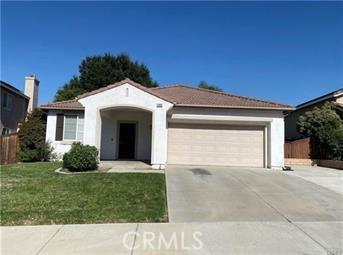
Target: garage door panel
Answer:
[[216, 145]]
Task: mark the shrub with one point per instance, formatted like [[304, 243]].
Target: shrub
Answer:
[[33, 146], [326, 127], [81, 158]]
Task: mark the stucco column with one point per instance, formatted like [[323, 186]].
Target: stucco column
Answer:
[[159, 139], [277, 130], [92, 127]]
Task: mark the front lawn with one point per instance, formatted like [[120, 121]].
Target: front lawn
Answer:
[[34, 194]]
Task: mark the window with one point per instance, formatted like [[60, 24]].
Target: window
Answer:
[[73, 127], [6, 100], [5, 131]]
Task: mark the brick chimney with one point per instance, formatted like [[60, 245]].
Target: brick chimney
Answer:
[[31, 90]]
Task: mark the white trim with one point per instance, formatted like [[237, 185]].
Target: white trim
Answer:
[[283, 108], [220, 119], [266, 150]]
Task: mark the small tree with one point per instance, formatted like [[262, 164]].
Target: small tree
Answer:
[[205, 85], [32, 138], [325, 126], [70, 90], [99, 71]]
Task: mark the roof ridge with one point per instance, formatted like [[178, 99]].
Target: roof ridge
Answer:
[[168, 86], [223, 93], [61, 102], [122, 82]]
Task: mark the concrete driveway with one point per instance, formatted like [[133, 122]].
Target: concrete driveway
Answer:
[[208, 194]]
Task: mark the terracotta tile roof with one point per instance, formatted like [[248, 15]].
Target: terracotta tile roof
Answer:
[[63, 105], [181, 95], [184, 95]]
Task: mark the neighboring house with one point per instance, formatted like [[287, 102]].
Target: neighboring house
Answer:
[[171, 125], [15, 104], [292, 118]]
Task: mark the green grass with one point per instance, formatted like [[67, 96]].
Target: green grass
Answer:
[[33, 194]]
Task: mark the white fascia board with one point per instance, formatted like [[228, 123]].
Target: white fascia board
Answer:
[[218, 119]]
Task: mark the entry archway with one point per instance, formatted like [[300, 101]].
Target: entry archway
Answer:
[[126, 133]]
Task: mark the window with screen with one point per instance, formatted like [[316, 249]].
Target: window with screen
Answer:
[[73, 127]]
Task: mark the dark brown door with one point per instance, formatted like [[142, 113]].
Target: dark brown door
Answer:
[[127, 135]]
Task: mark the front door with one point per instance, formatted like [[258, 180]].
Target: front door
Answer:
[[127, 138]]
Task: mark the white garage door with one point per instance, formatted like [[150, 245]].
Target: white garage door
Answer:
[[231, 145]]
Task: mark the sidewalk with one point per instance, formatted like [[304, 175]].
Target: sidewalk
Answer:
[[181, 238], [329, 178]]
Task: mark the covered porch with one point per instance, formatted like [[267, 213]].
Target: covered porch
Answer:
[[126, 121], [126, 134]]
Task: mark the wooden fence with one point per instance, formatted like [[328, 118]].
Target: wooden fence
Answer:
[[9, 147], [305, 148], [298, 149]]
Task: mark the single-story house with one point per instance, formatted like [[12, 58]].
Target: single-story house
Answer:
[[292, 118], [171, 125]]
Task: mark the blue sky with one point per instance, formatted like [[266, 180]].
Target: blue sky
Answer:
[[282, 51]]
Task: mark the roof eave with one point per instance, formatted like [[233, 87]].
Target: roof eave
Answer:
[[61, 108], [19, 93], [334, 94]]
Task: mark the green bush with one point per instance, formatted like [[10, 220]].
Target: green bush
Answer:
[[325, 125], [81, 158], [33, 146]]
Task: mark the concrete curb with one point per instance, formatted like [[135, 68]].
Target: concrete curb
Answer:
[[110, 171]]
